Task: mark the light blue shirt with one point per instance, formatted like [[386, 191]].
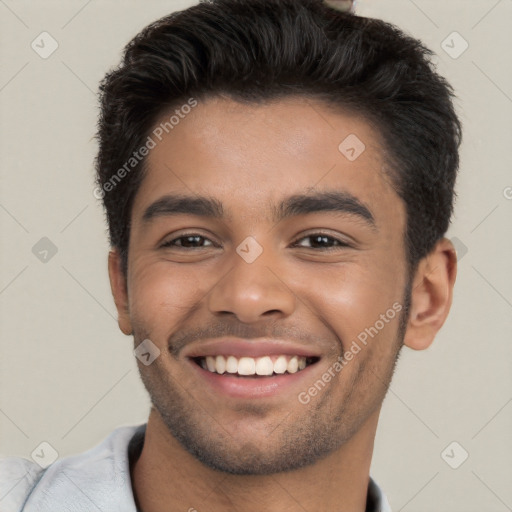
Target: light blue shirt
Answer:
[[98, 479]]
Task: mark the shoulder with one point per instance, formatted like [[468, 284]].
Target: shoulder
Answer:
[[99, 477], [18, 477]]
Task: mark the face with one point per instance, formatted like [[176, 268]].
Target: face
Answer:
[[260, 247]]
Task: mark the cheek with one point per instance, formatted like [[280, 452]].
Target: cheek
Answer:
[[352, 299], [161, 294]]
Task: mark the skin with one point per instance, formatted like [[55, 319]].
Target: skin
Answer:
[[274, 453]]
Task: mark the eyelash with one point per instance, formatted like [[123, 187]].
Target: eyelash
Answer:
[[336, 241]]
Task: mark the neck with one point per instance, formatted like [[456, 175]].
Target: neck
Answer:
[[167, 477]]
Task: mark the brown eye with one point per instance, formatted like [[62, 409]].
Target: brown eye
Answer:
[[320, 241], [188, 242]]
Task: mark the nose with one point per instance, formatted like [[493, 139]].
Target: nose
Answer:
[[252, 292]]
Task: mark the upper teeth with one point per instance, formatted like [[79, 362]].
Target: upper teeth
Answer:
[[254, 366]]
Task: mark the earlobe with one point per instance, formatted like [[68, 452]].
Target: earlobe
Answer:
[[431, 295], [119, 289]]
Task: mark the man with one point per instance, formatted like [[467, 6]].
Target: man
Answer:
[[278, 177]]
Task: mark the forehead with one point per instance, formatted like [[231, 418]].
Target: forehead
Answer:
[[250, 156]]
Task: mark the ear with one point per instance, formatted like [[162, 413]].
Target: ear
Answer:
[[431, 295], [119, 291]]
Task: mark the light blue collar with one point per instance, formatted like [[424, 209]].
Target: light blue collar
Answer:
[[98, 479]]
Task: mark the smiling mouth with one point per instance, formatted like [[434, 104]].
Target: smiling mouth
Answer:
[[266, 366]]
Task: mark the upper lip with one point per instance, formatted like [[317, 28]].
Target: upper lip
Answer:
[[238, 347]]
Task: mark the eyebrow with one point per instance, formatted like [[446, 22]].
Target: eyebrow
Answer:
[[330, 201], [175, 205], [300, 204]]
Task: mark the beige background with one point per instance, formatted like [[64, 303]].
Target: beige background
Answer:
[[68, 376]]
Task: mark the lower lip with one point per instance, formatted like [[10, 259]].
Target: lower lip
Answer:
[[252, 387]]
